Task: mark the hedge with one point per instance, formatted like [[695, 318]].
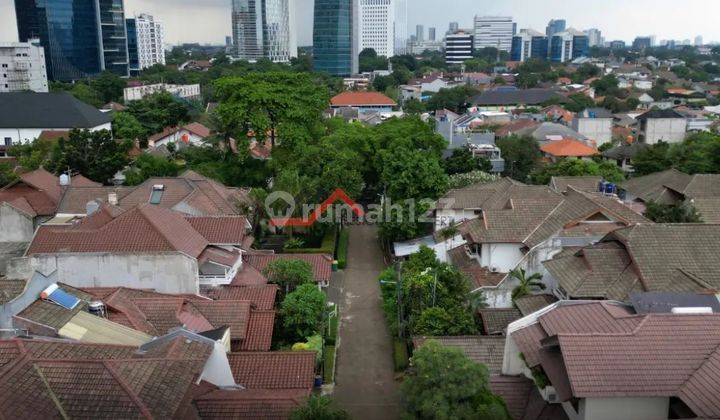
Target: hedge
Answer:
[[329, 366], [327, 246], [400, 355], [343, 248]]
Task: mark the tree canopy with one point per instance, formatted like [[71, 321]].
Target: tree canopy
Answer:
[[608, 170], [92, 153], [699, 153], [443, 383], [303, 311]]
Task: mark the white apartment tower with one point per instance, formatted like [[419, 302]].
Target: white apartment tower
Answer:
[[377, 26], [150, 39], [22, 67], [494, 31], [401, 29], [594, 37]]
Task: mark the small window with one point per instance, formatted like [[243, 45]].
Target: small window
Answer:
[[8, 141]]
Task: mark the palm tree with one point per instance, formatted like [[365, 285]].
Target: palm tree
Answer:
[[528, 284]]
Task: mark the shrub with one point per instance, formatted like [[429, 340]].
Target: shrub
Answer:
[[342, 248]]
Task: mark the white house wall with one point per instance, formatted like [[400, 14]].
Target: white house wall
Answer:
[[669, 130], [14, 225], [625, 408], [502, 257], [598, 129], [445, 217], [164, 272], [24, 135]]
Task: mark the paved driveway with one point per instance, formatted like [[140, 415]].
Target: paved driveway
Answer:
[[364, 377]]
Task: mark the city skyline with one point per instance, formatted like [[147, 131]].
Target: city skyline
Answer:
[[212, 18]]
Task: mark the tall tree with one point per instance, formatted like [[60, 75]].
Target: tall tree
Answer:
[[526, 283], [303, 312], [443, 383], [92, 153]]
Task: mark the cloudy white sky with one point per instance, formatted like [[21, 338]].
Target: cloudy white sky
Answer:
[[208, 21]]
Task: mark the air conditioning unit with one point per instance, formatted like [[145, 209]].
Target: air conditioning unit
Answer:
[[552, 396], [494, 269]]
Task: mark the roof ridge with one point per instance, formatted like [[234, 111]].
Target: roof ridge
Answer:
[[51, 393], [134, 397]]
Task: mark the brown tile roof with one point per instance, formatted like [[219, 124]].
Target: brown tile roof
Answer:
[[259, 331], [496, 320], [262, 297], [533, 303], [250, 404], [221, 230], [273, 370], [606, 351], [515, 126], [487, 350], [644, 257], [470, 267], [39, 189], [75, 198], [10, 289], [321, 264], [44, 312], [361, 99], [146, 228], [248, 275], [60, 379], [523, 400]]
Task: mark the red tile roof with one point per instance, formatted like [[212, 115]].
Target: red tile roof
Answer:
[[221, 230], [248, 275], [146, 228], [515, 126], [250, 404], [259, 331], [262, 297], [273, 370], [320, 263], [361, 99], [59, 379], [605, 350], [568, 148]]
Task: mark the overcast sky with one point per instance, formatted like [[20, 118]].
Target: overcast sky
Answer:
[[208, 21]]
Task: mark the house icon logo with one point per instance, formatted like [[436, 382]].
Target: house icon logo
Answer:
[[337, 196]]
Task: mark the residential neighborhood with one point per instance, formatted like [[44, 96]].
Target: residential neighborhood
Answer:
[[327, 210]]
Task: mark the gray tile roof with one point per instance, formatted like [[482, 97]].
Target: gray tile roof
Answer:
[[583, 183], [644, 257], [48, 110], [515, 97], [533, 303], [496, 320]]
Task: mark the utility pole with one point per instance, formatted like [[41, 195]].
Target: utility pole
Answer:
[[398, 288]]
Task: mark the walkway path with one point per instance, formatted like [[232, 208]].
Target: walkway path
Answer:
[[364, 379]]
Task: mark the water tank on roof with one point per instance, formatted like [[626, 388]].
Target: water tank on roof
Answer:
[[601, 186], [64, 180], [610, 188]]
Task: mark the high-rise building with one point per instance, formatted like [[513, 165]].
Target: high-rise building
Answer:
[[493, 31], [594, 36], [264, 29], [431, 34], [145, 42], [22, 67], [334, 44], [458, 47], [568, 45], [555, 26], [529, 43], [452, 28], [698, 41], [617, 45], [642, 42], [81, 38], [376, 21], [400, 26], [419, 33]]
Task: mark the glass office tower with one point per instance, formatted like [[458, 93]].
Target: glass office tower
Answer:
[[333, 41], [132, 45], [81, 37], [68, 30], [264, 28]]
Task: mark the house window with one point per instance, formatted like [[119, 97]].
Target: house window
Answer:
[[8, 141]]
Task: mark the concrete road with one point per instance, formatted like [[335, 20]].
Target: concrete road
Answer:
[[364, 378]]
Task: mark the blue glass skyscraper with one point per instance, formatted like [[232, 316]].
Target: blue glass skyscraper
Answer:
[[132, 45], [334, 48], [81, 37]]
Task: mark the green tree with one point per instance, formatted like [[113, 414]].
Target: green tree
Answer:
[[455, 99], [579, 102], [470, 178], [148, 166], [319, 407], [92, 153], [441, 322], [653, 158], [443, 383], [87, 94], [303, 311], [159, 110], [672, 213], [108, 86], [606, 85], [289, 273], [527, 284], [413, 106], [521, 154], [411, 174], [273, 103], [126, 126], [370, 61], [7, 174], [608, 170]]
